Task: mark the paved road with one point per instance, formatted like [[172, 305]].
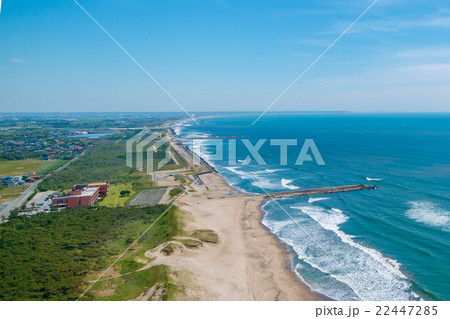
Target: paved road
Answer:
[[19, 200], [15, 203]]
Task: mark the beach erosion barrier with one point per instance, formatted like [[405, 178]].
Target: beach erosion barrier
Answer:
[[306, 192]]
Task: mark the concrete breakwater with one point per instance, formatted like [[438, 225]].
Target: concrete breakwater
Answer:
[[323, 190], [189, 156]]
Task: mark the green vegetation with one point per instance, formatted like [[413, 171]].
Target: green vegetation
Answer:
[[20, 167], [125, 193], [180, 178], [21, 143], [115, 197], [53, 166], [159, 155], [133, 285], [10, 196], [130, 266], [190, 243], [12, 190], [208, 236], [175, 191], [48, 256], [55, 256], [104, 162], [177, 156], [91, 121], [169, 249], [142, 184]]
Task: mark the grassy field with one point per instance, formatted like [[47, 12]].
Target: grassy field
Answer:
[[131, 286], [20, 167], [175, 191], [180, 178], [13, 190], [114, 199]]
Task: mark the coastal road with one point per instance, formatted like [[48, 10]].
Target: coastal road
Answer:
[[17, 202]]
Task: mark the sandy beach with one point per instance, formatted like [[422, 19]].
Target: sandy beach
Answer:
[[248, 262]]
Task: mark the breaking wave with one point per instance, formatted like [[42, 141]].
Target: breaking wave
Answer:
[[286, 183], [316, 199], [427, 213], [258, 178], [319, 242]]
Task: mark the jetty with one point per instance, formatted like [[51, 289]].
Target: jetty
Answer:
[[189, 156], [323, 190]]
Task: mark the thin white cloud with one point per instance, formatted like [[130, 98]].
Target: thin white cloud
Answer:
[[437, 22], [443, 69], [395, 24], [18, 60], [434, 52]]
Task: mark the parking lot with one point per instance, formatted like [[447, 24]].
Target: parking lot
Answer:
[[41, 202]]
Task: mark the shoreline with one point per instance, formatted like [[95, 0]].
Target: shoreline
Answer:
[[264, 261]]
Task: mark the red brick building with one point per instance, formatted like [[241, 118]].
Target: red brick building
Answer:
[[82, 195], [85, 197], [103, 188]]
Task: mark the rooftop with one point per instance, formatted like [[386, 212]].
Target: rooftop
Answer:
[[86, 192]]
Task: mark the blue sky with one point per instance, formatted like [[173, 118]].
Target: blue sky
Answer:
[[225, 55]]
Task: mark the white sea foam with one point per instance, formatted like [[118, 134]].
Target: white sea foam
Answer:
[[258, 178], [322, 244], [286, 183], [427, 213], [273, 170], [266, 203], [373, 179], [200, 146], [235, 170], [177, 130], [179, 126], [316, 199], [265, 183]]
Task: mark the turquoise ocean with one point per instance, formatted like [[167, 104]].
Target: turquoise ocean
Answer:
[[392, 243]]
